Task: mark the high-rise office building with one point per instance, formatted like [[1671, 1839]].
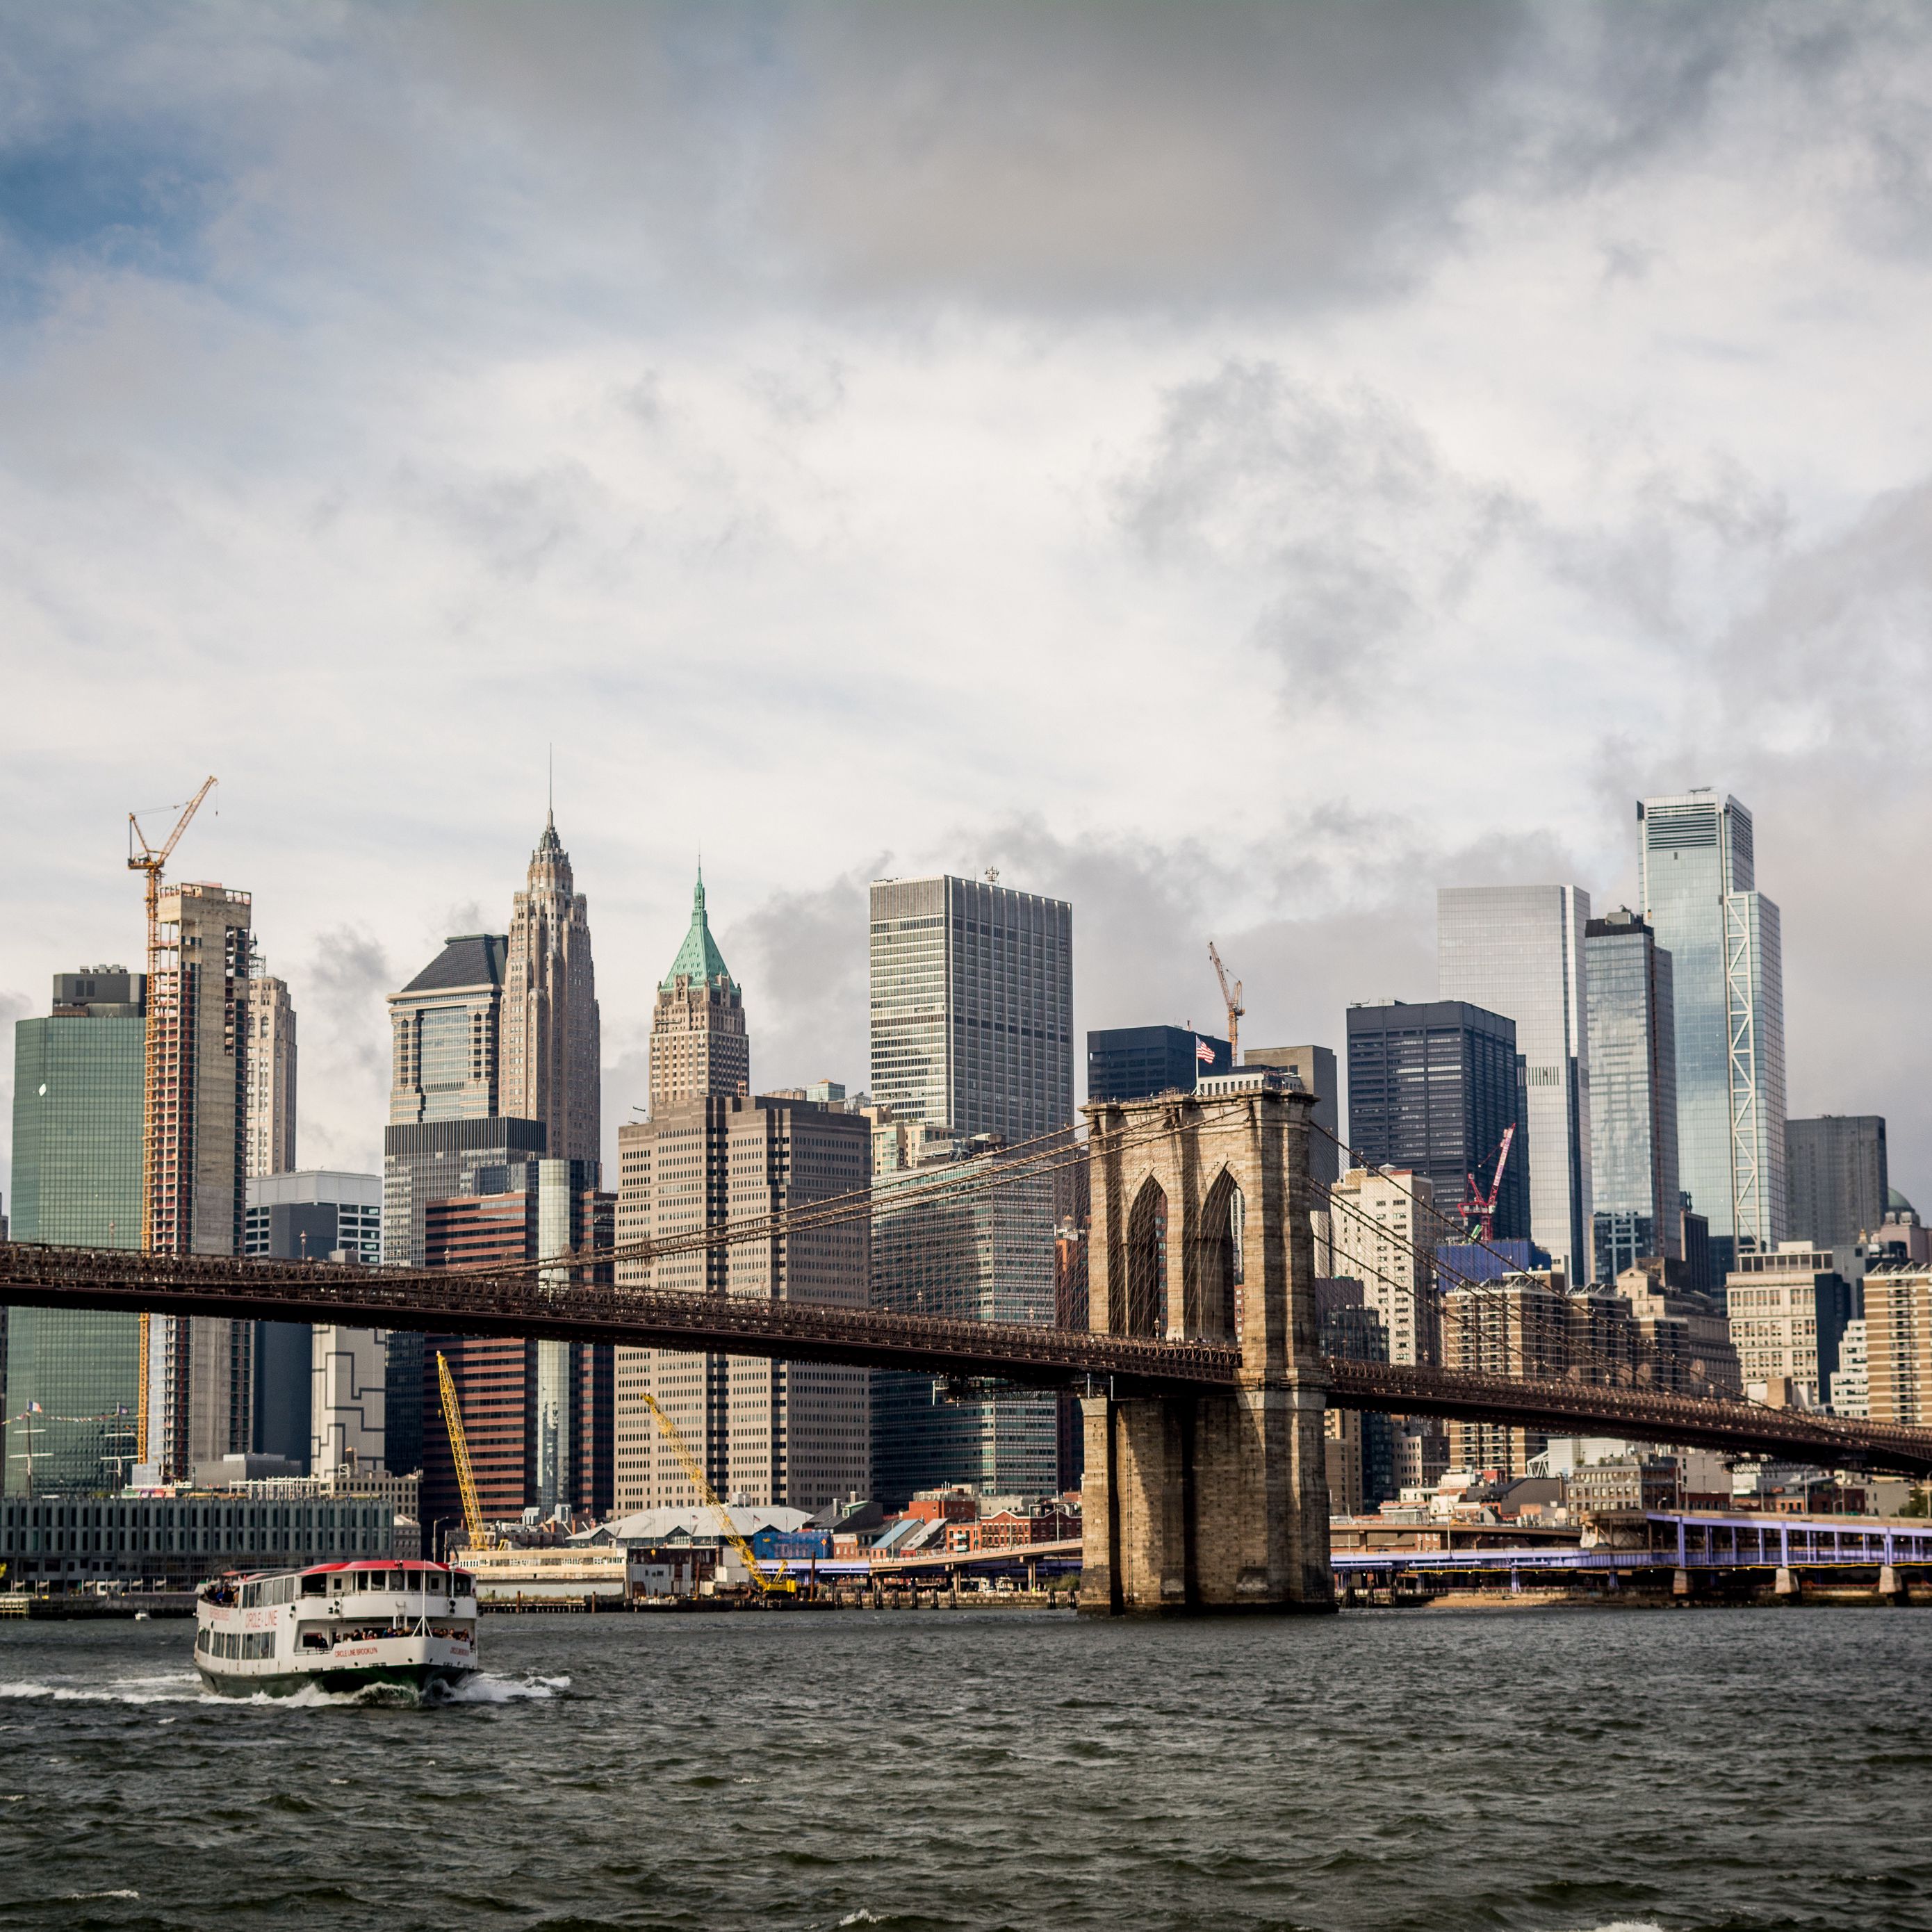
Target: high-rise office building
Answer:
[[972, 1252], [270, 1019], [1698, 871], [1633, 1095], [1836, 1181], [1432, 1088], [1314, 1066], [1519, 950], [1384, 1232], [1788, 1307], [1136, 1062], [698, 1042], [72, 1380], [793, 1434], [1898, 1343], [550, 1029], [199, 1368], [972, 1005], [445, 1030], [310, 1216]]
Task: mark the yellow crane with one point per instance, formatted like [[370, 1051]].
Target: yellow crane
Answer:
[[778, 1585], [479, 1537], [164, 1027], [1232, 1000]]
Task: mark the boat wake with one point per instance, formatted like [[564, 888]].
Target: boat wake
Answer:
[[184, 1686]]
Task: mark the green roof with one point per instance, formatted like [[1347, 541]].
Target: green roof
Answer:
[[698, 958]]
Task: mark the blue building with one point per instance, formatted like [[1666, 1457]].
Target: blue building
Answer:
[[1137, 1062]]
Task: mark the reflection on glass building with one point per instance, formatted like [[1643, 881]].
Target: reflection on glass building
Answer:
[[1519, 950], [73, 1380], [1632, 1095], [1698, 874]]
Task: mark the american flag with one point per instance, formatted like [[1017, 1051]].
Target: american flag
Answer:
[[1202, 1051]]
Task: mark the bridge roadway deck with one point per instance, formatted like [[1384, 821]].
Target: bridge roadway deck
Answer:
[[482, 1302]]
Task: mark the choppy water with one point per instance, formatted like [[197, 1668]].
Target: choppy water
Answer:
[[1554, 1771]]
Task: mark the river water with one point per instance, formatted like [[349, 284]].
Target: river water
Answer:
[[1549, 1770]]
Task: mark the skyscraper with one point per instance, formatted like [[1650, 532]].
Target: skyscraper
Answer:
[[698, 1042], [445, 1031], [1136, 1062], [1519, 950], [1697, 868], [790, 1433], [550, 1030], [972, 1005], [270, 1019], [77, 1084], [199, 1368], [1314, 1066], [1837, 1178], [1632, 1095], [1432, 1088]]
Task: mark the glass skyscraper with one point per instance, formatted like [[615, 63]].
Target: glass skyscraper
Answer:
[[73, 1380], [1432, 1088], [1519, 950], [972, 1005], [1698, 873], [1633, 1094], [1837, 1177]]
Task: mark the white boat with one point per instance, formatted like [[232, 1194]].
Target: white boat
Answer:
[[339, 1626]]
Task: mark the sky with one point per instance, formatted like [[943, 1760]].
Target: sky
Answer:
[[1239, 468]]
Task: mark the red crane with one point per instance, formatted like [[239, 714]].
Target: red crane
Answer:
[[1479, 1210]]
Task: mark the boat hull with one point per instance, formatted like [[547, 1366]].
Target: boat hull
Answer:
[[340, 1681]]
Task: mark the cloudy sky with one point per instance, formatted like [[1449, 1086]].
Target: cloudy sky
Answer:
[[1238, 468]]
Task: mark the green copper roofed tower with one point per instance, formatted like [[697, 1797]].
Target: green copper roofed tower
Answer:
[[698, 958], [698, 1044]]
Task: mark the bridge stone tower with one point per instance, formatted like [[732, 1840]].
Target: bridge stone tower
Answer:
[[1216, 1501]]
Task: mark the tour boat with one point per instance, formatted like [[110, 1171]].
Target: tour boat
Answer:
[[338, 1626]]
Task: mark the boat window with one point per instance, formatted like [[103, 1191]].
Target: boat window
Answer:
[[314, 1584], [464, 1583]]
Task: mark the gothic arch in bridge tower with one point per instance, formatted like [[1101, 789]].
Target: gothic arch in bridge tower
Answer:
[[1200, 1233]]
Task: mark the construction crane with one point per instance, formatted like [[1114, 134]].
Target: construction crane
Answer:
[[778, 1585], [1232, 1000], [1478, 1209], [479, 1537], [163, 1005]]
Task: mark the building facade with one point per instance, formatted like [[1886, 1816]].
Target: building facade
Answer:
[[445, 1035], [1788, 1310], [972, 1005], [1633, 1033], [270, 1019], [699, 1045], [1898, 1344], [947, 1241], [1838, 1184], [72, 1380], [306, 1216], [1360, 1444], [1136, 1062], [1314, 1066], [1698, 871], [776, 1433], [1432, 1088], [1850, 1387], [1383, 1233], [549, 1028], [1520, 950], [199, 1369]]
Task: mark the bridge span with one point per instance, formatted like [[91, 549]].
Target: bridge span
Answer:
[[483, 1302]]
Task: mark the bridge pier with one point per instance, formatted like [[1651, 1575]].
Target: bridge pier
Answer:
[[1213, 1502]]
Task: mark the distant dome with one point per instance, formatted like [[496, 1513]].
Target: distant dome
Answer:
[[1895, 1203]]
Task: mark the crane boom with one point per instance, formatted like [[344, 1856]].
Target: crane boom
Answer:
[[163, 996], [694, 1471], [1232, 1001], [459, 1449]]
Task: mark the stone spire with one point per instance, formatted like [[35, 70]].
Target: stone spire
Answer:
[[550, 1028]]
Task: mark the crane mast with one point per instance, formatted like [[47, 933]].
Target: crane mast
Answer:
[[459, 1449], [1232, 999], [163, 1034], [694, 1471]]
